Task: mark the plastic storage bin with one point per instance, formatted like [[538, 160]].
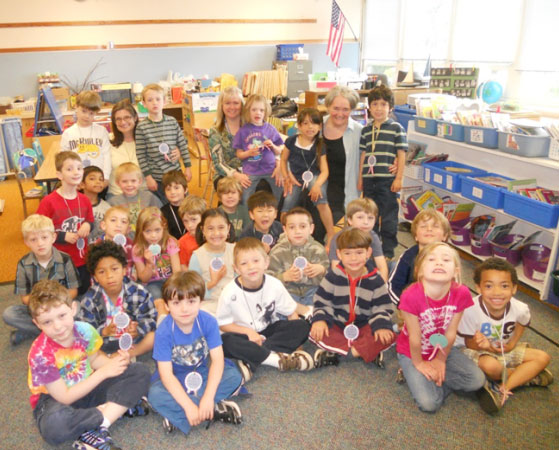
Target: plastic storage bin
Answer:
[[500, 249], [459, 235], [449, 130], [404, 113], [535, 258], [531, 210], [521, 145], [484, 193], [284, 52], [425, 125], [435, 174], [481, 136]]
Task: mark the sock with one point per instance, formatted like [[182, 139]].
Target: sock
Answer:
[[272, 360], [106, 423]]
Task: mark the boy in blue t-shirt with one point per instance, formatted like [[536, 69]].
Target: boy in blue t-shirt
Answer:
[[186, 389]]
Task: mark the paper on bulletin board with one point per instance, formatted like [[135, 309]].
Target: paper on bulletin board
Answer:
[[205, 102]]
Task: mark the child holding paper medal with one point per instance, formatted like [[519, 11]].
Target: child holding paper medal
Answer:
[[308, 168], [192, 379], [432, 309]]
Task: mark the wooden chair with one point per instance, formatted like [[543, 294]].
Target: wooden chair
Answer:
[[36, 193], [201, 136]]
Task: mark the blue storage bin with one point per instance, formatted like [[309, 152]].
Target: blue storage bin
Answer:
[[531, 210], [284, 52], [484, 193], [404, 113], [450, 130], [481, 136], [425, 125], [435, 174], [523, 145]]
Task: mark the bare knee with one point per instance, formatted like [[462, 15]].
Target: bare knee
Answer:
[[491, 367]]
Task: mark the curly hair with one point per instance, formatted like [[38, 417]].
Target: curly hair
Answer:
[[102, 250]]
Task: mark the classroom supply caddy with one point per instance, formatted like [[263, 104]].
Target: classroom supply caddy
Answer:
[[482, 192], [481, 136], [531, 210], [523, 145], [403, 114], [425, 125], [438, 174], [535, 258], [450, 130], [502, 250]]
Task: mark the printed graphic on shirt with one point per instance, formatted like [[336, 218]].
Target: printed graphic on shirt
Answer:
[[492, 331], [190, 354], [87, 146], [434, 320], [70, 225]]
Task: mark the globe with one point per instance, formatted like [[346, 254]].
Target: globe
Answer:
[[490, 91]]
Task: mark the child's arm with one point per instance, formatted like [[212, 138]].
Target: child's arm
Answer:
[[516, 335], [252, 334], [206, 408], [315, 193], [105, 152], [414, 332], [439, 362], [289, 179], [277, 149], [382, 266], [360, 174], [244, 154], [175, 263], [175, 388], [110, 368], [144, 266], [182, 144], [401, 161]]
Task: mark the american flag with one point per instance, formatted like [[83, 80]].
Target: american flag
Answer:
[[336, 38]]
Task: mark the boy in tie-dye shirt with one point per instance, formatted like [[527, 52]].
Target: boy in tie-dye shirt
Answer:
[[76, 391]]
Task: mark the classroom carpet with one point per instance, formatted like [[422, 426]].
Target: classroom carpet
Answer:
[[351, 406]]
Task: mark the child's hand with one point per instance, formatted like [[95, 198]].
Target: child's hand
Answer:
[[243, 179], [115, 366], [188, 174], [70, 237], [216, 275], [192, 414], [151, 183], [292, 274], [268, 143], [384, 335], [440, 371], [253, 150], [84, 230], [124, 354], [314, 270], [109, 330], [206, 408], [319, 329], [315, 193], [481, 341], [253, 336], [148, 256], [132, 329], [266, 247], [360, 184], [175, 154], [427, 369], [396, 185]]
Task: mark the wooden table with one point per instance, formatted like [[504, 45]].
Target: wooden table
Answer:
[[47, 171]]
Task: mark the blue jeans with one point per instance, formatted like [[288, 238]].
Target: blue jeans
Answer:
[[18, 316], [462, 374], [254, 180], [291, 200], [165, 404], [155, 288], [306, 299]]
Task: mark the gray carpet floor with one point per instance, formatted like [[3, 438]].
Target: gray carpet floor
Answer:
[[354, 405]]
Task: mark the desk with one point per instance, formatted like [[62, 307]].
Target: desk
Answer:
[[47, 171]]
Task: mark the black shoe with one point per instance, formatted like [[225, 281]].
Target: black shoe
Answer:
[[490, 399], [324, 358], [168, 426], [227, 411], [141, 409], [400, 379], [379, 360], [17, 337]]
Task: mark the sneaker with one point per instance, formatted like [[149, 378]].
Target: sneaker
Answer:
[[227, 411], [298, 360], [400, 378], [542, 379], [490, 398], [246, 371], [324, 358], [168, 426], [17, 337], [379, 360], [99, 439], [141, 409]]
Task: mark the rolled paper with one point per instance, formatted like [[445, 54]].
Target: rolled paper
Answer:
[[120, 239], [351, 332], [121, 320], [125, 342], [268, 239], [216, 263], [155, 249], [300, 262]]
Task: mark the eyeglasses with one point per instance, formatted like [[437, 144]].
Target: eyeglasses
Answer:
[[123, 119]]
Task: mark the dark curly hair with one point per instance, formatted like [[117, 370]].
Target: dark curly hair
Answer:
[[102, 250], [495, 264]]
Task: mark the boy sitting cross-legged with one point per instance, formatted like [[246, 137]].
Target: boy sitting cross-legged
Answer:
[[76, 391], [352, 308], [113, 293], [297, 242], [188, 349], [263, 209], [43, 261], [248, 311]]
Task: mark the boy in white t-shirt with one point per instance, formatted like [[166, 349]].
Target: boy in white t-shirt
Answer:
[[88, 139]]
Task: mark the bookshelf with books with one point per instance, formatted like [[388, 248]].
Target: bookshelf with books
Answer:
[[545, 170]]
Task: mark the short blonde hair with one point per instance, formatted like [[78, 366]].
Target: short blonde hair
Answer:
[[256, 98], [114, 209], [427, 214], [192, 205], [47, 294], [127, 167], [361, 205], [246, 244], [342, 91], [152, 87], [36, 222], [89, 100], [427, 250], [229, 184]]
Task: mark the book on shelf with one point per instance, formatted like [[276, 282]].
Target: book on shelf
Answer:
[[456, 212], [517, 185], [496, 181], [499, 232], [427, 199], [525, 241]]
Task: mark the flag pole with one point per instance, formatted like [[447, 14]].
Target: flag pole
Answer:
[[348, 24]]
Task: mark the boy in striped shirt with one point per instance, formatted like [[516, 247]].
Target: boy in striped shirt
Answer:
[[159, 142]]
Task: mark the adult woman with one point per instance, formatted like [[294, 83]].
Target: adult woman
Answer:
[[341, 137], [124, 119], [228, 122]]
